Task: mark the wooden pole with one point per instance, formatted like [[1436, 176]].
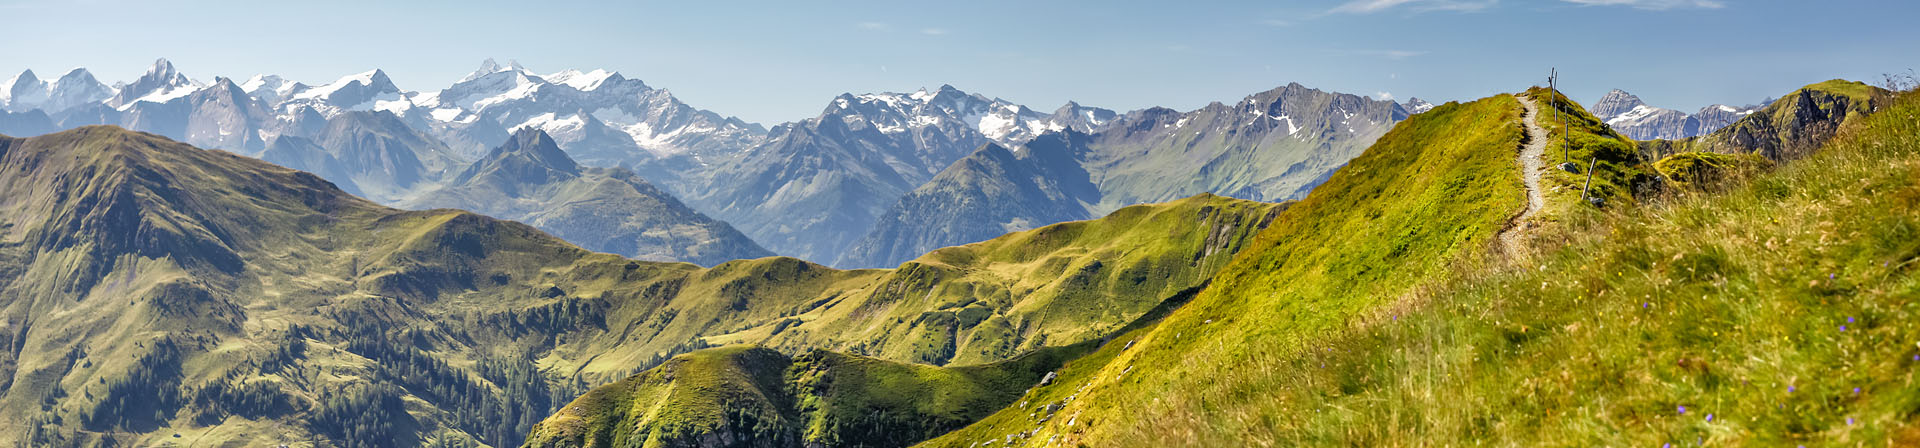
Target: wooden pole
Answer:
[[1583, 188]]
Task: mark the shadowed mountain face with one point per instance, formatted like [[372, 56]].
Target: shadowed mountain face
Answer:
[[529, 179], [1272, 145], [148, 288], [990, 193]]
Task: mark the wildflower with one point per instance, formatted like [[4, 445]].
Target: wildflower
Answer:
[[1856, 391], [1849, 421], [1709, 418], [1829, 276], [1849, 319], [1789, 389], [1683, 409], [1843, 328]]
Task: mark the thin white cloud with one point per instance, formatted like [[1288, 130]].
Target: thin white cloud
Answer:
[[874, 26], [934, 31], [1374, 6], [1276, 23], [1656, 5]]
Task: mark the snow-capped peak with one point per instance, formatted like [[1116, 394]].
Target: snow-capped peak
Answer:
[[161, 83], [997, 119], [1615, 103], [373, 79], [489, 67], [369, 90], [23, 91], [269, 88], [587, 81], [76, 87], [163, 69], [1415, 106]]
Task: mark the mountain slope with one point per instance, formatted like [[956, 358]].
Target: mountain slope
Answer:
[[1787, 129], [741, 396], [1271, 145], [529, 179], [149, 288], [1420, 335], [992, 192], [814, 186], [383, 157], [1435, 188]]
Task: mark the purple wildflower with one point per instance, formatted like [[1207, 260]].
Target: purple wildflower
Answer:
[[1683, 409], [1789, 389], [1709, 418], [1849, 319], [1829, 276], [1849, 421], [1843, 328], [1856, 391]]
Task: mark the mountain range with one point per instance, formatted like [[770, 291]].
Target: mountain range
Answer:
[[1274, 145], [1639, 121], [149, 288], [833, 188], [155, 293], [529, 179]]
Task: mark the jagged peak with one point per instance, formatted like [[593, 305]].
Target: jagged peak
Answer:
[[490, 66], [25, 75], [162, 68], [536, 145], [160, 64]]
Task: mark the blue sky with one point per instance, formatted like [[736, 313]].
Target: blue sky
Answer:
[[780, 61]]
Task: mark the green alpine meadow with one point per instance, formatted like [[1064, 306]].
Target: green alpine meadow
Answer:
[[999, 224]]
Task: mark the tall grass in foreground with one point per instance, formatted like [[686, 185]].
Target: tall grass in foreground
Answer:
[[1777, 312]]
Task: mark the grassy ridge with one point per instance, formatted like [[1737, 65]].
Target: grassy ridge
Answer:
[[748, 396], [1436, 187], [1707, 320], [1052, 286], [1710, 319]]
